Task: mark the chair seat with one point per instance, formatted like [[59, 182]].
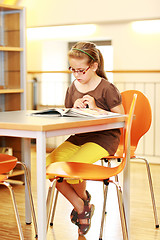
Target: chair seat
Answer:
[[84, 171], [7, 163]]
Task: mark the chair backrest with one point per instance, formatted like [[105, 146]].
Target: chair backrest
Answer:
[[127, 130], [143, 115]]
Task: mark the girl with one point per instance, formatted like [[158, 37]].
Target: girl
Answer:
[[89, 89]]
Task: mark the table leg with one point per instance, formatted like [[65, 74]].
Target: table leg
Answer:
[[26, 150], [126, 191], [41, 185]]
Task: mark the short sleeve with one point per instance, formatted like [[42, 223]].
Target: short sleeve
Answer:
[[113, 96]]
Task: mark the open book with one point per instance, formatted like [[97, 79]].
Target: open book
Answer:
[[75, 112]]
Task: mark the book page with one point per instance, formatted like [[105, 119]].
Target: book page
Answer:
[[75, 112], [93, 113], [50, 111]]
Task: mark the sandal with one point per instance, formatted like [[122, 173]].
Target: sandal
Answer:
[[88, 198], [74, 217], [86, 214], [74, 214]]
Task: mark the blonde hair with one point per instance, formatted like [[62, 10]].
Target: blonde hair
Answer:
[[89, 51]]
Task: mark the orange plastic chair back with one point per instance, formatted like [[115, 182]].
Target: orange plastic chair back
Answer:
[[128, 127], [143, 116]]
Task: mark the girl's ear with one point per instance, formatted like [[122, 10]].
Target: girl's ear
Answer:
[[94, 66]]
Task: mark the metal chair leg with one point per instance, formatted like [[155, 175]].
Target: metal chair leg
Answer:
[[28, 181], [122, 213], [54, 208], [50, 200], [151, 191], [15, 209], [109, 165], [103, 211]]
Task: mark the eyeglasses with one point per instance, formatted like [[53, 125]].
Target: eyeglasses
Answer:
[[80, 71]]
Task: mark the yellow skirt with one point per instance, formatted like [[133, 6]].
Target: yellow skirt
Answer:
[[68, 152]]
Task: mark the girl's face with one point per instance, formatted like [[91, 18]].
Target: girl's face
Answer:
[[81, 70]]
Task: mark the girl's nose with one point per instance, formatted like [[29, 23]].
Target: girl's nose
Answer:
[[76, 73]]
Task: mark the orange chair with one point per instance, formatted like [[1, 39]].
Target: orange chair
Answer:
[[75, 170], [7, 163], [140, 126]]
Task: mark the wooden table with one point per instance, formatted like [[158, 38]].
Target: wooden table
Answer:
[[22, 124]]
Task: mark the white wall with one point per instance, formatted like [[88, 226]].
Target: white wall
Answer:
[[60, 12], [131, 50]]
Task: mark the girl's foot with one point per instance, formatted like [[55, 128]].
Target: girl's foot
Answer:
[[74, 214], [84, 219]]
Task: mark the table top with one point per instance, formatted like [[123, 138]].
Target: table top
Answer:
[[23, 120]]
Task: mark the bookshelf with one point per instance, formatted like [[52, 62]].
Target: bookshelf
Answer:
[[12, 67]]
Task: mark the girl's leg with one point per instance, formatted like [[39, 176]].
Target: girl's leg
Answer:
[[84, 213], [64, 153], [74, 197], [87, 153], [80, 189], [68, 152], [76, 193]]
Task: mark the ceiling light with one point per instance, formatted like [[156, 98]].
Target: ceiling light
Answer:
[[146, 27], [58, 32]]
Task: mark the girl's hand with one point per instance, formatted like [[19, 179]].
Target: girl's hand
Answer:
[[90, 101], [79, 103]]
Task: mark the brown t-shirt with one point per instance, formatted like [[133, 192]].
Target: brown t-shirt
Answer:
[[106, 96]]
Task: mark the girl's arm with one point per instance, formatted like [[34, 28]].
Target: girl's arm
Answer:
[[91, 103], [118, 109]]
